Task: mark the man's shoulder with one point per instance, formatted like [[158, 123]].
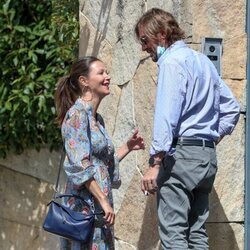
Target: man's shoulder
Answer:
[[184, 52], [183, 55], [178, 57]]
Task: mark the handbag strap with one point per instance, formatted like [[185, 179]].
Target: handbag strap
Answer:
[[80, 198], [89, 136], [59, 171]]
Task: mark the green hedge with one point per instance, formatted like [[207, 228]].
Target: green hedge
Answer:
[[38, 41]]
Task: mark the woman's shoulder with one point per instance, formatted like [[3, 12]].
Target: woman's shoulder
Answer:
[[77, 110]]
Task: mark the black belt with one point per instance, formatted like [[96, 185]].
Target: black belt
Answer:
[[192, 142]]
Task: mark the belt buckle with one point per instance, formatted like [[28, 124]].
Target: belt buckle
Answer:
[[181, 141], [203, 144]]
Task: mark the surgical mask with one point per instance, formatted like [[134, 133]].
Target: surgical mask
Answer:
[[160, 51]]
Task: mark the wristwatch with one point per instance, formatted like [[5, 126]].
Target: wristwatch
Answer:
[[152, 161]]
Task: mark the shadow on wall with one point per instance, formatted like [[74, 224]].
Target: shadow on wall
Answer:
[[84, 40], [23, 207], [221, 234], [149, 237], [100, 32]]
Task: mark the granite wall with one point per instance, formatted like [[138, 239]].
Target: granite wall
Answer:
[[107, 32]]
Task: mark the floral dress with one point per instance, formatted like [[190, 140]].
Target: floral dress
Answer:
[[84, 160]]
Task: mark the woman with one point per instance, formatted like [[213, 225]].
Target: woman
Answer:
[[90, 164]]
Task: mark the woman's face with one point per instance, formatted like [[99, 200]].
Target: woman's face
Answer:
[[98, 79]]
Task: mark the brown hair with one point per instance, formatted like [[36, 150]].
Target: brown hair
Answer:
[[156, 20], [68, 88]]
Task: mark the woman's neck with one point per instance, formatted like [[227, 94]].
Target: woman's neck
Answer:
[[95, 102]]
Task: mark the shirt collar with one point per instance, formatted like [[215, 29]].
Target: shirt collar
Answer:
[[176, 45]]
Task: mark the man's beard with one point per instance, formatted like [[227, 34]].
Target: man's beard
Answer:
[[154, 57]]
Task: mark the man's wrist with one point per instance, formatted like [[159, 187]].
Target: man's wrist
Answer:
[[153, 162], [157, 166]]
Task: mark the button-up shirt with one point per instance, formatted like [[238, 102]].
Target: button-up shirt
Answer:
[[192, 100]]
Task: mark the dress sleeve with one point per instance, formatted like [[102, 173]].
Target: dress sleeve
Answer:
[[77, 164]]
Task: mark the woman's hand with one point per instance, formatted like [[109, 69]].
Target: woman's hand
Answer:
[[94, 188], [109, 212], [136, 142]]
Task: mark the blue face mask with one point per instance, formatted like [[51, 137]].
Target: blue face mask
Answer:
[[160, 51]]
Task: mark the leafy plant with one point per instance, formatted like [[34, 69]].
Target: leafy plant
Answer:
[[39, 40]]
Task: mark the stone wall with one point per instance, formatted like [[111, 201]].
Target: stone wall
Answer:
[[25, 189], [107, 32]]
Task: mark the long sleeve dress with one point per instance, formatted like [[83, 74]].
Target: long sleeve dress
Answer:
[[84, 160]]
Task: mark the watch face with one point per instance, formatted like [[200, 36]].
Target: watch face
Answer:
[[151, 161]]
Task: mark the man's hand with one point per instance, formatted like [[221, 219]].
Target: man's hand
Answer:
[[149, 180]]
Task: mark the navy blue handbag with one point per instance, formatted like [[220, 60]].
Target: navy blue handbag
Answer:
[[63, 221]]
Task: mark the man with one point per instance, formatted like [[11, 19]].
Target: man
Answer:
[[194, 110]]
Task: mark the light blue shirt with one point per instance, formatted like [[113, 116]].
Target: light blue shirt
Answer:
[[192, 100]]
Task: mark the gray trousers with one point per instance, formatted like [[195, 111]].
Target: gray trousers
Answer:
[[185, 181]]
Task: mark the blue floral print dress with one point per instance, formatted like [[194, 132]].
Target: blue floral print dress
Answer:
[[85, 160]]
